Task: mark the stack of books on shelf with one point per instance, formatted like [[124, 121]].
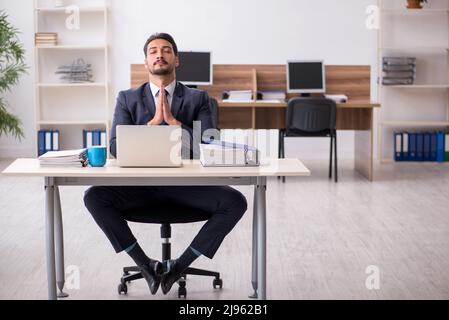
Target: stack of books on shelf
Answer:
[[421, 146], [76, 72], [46, 39], [398, 70], [271, 96], [238, 96], [69, 158]]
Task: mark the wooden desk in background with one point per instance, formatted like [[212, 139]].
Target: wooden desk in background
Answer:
[[354, 115], [352, 81]]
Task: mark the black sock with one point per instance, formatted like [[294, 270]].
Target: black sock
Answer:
[[139, 257], [186, 259]]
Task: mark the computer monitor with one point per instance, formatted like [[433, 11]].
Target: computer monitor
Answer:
[[306, 77], [195, 68]]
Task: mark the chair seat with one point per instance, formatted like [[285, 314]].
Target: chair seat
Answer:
[[170, 213], [300, 133]]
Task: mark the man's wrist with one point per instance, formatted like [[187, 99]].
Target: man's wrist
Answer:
[[153, 123]]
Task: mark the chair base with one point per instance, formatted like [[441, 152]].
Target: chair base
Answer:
[[133, 273]]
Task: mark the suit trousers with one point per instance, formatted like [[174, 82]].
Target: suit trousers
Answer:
[[108, 204]]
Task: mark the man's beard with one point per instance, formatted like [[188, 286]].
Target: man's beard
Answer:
[[162, 71]]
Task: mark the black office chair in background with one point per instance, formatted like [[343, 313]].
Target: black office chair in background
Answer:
[[311, 117], [166, 216]]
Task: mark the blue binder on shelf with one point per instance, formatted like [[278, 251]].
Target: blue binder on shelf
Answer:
[[398, 146], [419, 147], [433, 146], [55, 140], [412, 146], [41, 143], [440, 146], [405, 143], [96, 138], [426, 146]]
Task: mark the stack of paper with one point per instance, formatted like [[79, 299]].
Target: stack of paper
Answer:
[[69, 158], [238, 96], [398, 70], [76, 72], [272, 96], [338, 98]]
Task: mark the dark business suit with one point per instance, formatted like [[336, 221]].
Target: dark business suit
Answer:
[[107, 204]]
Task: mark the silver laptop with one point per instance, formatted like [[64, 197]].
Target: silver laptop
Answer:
[[149, 146]]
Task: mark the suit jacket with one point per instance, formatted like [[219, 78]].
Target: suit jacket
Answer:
[[137, 107]]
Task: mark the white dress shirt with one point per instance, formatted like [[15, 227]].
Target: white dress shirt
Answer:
[[170, 89]]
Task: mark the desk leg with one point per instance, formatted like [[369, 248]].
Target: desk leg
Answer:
[[261, 237], [254, 249], [50, 237], [364, 149], [60, 270]]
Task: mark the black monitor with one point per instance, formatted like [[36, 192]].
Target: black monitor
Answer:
[[306, 77], [195, 68]]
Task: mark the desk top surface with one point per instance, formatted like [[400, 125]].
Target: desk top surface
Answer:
[[353, 104], [190, 169]]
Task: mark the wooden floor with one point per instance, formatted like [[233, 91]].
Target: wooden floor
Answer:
[[322, 237]]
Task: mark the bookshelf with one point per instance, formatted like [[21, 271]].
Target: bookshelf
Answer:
[[424, 105], [71, 108]]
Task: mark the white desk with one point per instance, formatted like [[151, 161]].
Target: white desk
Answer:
[[192, 173]]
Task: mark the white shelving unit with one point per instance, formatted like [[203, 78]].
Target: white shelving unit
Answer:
[[72, 107], [424, 34]]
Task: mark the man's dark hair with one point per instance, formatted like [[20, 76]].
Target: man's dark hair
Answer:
[[164, 36]]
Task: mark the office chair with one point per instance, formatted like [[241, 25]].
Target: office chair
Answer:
[[166, 216], [214, 111], [311, 117]]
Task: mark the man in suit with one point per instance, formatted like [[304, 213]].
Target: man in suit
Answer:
[[163, 101]]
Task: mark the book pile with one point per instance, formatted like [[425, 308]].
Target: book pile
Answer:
[[69, 158], [238, 96], [223, 154], [337, 98], [271, 96], [398, 70], [76, 72], [46, 39]]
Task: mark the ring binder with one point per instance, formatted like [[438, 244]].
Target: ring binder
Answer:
[[217, 153]]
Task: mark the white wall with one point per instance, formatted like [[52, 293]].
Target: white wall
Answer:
[[237, 31], [21, 98]]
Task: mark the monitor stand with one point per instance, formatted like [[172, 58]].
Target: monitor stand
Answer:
[[309, 95], [192, 87]]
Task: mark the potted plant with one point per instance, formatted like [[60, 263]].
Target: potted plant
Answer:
[[415, 4], [12, 66]]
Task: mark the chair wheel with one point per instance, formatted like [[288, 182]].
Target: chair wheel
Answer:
[[218, 284], [182, 292], [122, 289]]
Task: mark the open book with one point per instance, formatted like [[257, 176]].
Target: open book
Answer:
[[224, 154], [68, 158]]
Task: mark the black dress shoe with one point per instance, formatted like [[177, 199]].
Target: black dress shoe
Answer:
[[152, 274], [172, 275]]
